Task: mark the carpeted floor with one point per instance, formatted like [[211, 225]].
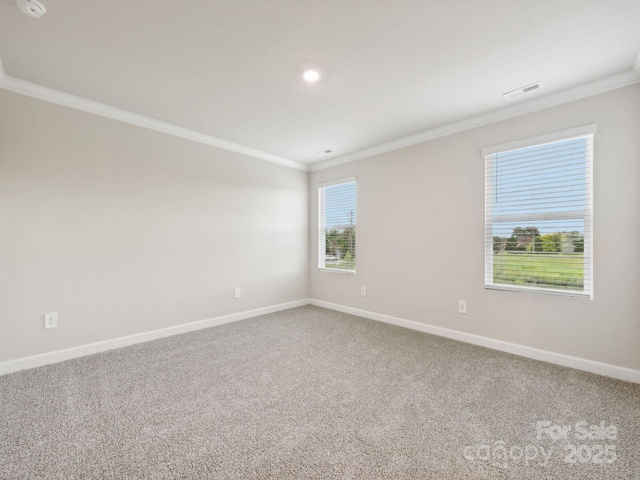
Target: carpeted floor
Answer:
[[312, 393]]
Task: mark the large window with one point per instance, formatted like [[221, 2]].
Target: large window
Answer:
[[538, 220], [337, 226]]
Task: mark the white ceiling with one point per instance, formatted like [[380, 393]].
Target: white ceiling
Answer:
[[232, 69]]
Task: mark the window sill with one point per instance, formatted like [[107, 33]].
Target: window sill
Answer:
[[540, 291], [337, 270]]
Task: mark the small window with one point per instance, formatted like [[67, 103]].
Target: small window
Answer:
[[337, 226], [538, 214]]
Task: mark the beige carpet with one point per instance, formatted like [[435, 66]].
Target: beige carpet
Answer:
[[311, 393]]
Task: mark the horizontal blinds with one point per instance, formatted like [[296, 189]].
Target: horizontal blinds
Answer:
[[538, 217], [337, 226]]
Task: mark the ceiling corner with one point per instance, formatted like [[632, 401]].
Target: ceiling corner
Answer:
[[602, 85], [78, 103]]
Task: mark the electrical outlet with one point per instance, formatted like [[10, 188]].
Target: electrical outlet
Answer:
[[50, 320], [236, 292], [363, 291], [462, 306]]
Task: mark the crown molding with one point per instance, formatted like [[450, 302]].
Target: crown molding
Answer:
[[596, 87], [78, 103], [575, 93]]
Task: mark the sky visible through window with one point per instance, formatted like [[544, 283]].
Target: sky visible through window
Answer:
[[340, 208], [543, 179]]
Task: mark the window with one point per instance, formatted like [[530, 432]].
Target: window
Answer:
[[337, 226], [538, 216]]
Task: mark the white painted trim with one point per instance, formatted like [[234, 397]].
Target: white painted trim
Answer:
[[581, 91], [596, 87], [542, 139], [340, 271], [60, 98], [537, 290], [97, 347], [339, 181], [614, 371]]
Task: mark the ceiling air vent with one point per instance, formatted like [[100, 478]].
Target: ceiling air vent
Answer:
[[522, 90]]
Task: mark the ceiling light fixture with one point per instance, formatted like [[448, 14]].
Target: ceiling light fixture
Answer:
[[311, 76], [33, 8]]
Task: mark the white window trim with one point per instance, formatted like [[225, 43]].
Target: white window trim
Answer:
[[340, 271], [321, 216], [542, 139], [330, 183], [587, 215]]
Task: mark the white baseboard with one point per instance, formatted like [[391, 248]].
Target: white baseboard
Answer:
[[97, 347], [614, 371]]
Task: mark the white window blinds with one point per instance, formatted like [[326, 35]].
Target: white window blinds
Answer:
[[337, 226], [538, 214]]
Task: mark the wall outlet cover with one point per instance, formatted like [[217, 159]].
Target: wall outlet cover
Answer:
[[50, 320], [462, 306]]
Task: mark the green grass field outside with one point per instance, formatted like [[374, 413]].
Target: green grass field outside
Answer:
[[342, 265], [565, 272]]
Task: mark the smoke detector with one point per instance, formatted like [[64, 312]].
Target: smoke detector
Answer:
[[522, 90], [33, 8]]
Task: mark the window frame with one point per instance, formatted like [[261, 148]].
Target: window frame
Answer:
[[322, 220], [587, 131]]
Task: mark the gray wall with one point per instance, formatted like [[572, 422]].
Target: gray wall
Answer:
[[123, 230], [433, 194]]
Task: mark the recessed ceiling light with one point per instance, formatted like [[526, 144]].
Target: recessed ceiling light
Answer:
[[311, 76], [33, 8]]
